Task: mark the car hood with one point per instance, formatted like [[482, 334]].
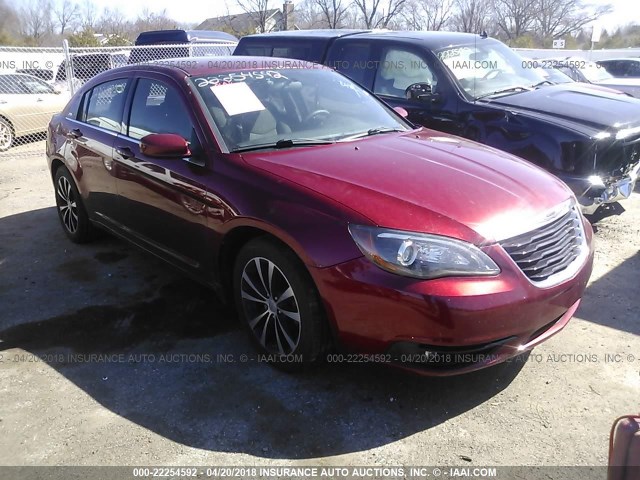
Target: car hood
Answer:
[[424, 181], [583, 109]]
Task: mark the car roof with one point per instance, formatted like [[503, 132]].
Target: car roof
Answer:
[[159, 37], [566, 61], [196, 66], [429, 39], [317, 33], [23, 75], [432, 40], [618, 59], [100, 54]]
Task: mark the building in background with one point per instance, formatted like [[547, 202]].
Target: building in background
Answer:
[[273, 20]]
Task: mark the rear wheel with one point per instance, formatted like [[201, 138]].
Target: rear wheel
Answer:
[[6, 135], [279, 305], [73, 216]]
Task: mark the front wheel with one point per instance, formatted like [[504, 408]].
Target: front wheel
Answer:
[[6, 135], [279, 305]]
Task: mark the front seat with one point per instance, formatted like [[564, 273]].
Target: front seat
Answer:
[[261, 125]]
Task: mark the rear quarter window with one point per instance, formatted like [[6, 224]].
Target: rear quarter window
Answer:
[[296, 49], [73, 107]]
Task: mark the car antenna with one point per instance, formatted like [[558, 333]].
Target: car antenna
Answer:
[[484, 35]]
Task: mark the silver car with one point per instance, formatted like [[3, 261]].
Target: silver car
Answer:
[[27, 103]]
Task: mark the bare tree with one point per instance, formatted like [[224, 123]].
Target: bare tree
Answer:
[[88, 15], [258, 11], [113, 22], [149, 20], [375, 15], [471, 16], [8, 22], [428, 14], [333, 11], [35, 21], [66, 13], [308, 15], [555, 18], [515, 17]]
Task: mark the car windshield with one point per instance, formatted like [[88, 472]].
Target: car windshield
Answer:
[[595, 73], [300, 106], [556, 76], [36, 86], [485, 67]]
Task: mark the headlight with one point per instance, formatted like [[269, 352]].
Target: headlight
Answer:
[[421, 255]]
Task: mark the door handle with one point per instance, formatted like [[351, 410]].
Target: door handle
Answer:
[[39, 100], [125, 152], [75, 133]]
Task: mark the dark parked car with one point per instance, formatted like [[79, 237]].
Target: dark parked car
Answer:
[[163, 44], [479, 88], [582, 70], [87, 66], [556, 77], [329, 218], [622, 67]]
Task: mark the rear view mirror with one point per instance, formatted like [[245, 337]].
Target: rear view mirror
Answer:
[[165, 145], [624, 449]]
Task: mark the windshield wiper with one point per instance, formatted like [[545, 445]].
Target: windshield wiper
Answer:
[[374, 131], [284, 143], [517, 89]]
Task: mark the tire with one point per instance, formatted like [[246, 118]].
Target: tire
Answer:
[[73, 216], [7, 136], [291, 331]]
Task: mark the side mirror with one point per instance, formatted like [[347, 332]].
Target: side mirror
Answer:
[[624, 448], [401, 111], [421, 92], [164, 145], [57, 89]]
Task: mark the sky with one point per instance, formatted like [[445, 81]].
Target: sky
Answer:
[[196, 11]]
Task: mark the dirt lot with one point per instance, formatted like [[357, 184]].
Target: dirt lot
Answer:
[[63, 305]]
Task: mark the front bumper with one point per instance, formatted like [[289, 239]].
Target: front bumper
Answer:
[[479, 321], [592, 193]]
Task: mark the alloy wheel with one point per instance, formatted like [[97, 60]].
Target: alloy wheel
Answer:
[[6, 135], [67, 205], [271, 306]]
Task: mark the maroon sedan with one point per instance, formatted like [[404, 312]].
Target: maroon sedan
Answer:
[[332, 221]]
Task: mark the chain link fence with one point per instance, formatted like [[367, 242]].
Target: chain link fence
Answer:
[[36, 83]]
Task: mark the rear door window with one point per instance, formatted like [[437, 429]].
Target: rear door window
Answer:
[[105, 104]]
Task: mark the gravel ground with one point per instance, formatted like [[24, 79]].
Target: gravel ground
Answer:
[[62, 306]]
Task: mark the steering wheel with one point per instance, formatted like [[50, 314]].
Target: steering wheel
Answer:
[[495, 72], [317, 116]]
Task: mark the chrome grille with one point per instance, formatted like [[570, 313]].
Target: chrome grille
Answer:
[[549, 249]]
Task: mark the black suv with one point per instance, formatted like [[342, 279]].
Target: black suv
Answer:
[[477, 87]]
